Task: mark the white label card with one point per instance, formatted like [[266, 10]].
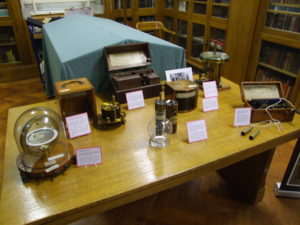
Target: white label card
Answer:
[[89, 156], [210, 104], [135, 99], [78, 125], [210, 89], [242, 117], [180, 74], [197, 131]]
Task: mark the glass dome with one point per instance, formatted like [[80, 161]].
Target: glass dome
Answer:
[[42, 143]]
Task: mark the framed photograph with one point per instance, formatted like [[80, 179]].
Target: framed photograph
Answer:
[[179, 74]]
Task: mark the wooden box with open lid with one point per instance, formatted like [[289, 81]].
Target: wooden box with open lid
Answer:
[[266, 98], [127, 70]]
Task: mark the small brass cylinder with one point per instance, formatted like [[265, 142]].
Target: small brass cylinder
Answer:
[[254, 134], [246, 131]]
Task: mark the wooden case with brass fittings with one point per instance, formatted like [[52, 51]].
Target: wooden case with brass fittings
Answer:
[[185, 92]]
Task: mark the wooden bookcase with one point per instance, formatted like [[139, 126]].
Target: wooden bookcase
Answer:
[[130, 12], [276, 54], [199, 23], [16, 59]]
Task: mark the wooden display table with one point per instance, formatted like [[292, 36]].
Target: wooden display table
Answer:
[[132, 170]]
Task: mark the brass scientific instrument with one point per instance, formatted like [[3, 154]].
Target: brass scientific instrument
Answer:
[[214, 60], [111, 114]]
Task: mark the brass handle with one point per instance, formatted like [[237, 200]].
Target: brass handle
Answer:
[[72, 82]]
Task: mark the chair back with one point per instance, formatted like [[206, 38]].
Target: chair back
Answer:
[[155, 26]]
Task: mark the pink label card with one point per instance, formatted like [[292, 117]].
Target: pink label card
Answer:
[[210, 104], [197, 131], [89, 156], [78, 125], [135, 99], [242, 117], [210, 89]]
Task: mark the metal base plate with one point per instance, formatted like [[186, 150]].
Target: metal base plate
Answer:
[[285, 193]]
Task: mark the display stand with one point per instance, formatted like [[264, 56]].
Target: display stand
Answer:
[[290, 185]]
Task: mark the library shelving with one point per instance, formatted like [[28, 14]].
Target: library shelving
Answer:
[[16, 61], [130, 12], [277, 52], [202, 24]]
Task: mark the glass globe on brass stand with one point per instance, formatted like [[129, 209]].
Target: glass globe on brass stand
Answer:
[[42, 143]]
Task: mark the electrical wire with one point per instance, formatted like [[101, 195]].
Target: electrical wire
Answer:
[[272, 121]]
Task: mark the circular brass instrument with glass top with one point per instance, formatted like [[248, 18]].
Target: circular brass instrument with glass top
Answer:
[[214, 61]]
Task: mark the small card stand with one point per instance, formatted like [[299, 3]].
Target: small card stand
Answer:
[[124, 64], [76, 96], [259, 95]]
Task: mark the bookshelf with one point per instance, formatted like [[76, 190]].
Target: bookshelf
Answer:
[[196, 23], [277, 54], [16, 59], [8, 46], [129, 12]]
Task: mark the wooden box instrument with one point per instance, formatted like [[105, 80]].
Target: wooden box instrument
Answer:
[[266, 98], [76, 96], [125, 65], [185, 92]]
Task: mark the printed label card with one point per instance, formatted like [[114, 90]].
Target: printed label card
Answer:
[[242, 117], [210, 89], [78, 125], [135, 99], [180, 74], [197, 131], [210, 104], [89, 156]]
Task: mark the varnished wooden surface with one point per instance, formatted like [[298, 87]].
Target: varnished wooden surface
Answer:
[[131, 169]]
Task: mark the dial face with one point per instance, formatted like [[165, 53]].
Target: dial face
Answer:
[[41, 136]]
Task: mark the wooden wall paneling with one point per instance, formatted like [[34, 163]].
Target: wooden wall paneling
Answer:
[[241, 26]]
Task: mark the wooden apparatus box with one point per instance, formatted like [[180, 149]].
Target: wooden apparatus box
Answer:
[[262, 97], [76, 96], [123, 62], [185, 92]]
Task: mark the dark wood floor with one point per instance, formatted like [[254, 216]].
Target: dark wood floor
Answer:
[[207, 200]]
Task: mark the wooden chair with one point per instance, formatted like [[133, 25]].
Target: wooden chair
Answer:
[[157, 27]]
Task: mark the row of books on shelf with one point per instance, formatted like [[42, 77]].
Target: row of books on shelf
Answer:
[[183, 6], [221, 1], [7, 55], [281, 58], [221, 12], [119, 4], [286, 1], [146, 18], [283, 21], [269, 75], [146, 3]]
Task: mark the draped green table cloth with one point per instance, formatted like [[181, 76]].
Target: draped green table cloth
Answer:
[[73, 48]]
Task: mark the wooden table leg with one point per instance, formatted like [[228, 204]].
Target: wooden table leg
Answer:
[[248, 176]]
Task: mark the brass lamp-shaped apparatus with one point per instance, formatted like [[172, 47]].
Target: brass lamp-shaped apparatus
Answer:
[[42, 143], [214, 60]]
